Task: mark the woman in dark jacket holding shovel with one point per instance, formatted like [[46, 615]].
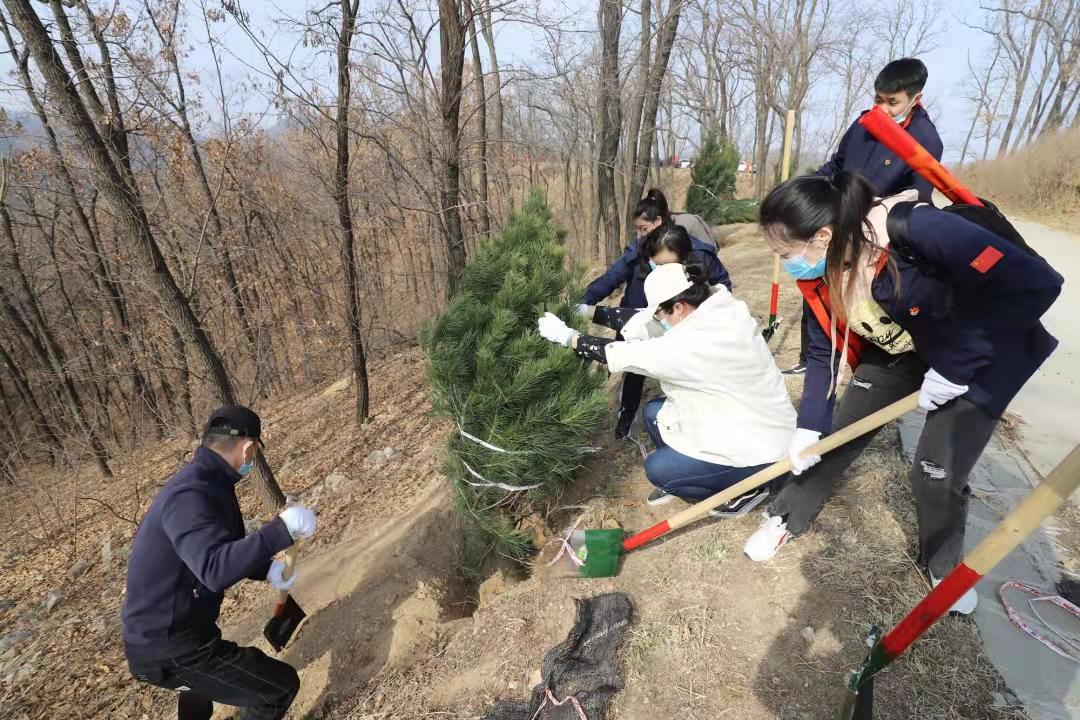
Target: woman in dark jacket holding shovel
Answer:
[[655, 245], [953, 312]]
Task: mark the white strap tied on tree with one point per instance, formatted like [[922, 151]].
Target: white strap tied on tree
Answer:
[[489, 446], [484, 482]]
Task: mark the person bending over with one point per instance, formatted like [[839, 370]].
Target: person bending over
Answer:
[[725, 413], [951, 311], [189, 548]]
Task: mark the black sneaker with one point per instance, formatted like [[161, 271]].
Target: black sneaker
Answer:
[[797, 369], [658, 497], [624, 424], [741, 505]]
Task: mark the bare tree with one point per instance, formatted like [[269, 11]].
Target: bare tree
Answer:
[[652, 82], [345, 216], [482, 129], [907, 28], [609, 125], [106, 156], [981, 98], [452, 55], [1018, 35]]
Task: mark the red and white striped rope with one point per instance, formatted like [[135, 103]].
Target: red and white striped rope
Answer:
[[1040, 596], [550, 697]]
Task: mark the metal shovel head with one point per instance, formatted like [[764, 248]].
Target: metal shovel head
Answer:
[[769, 330], [859, 705], [280, 628], [600, 550]]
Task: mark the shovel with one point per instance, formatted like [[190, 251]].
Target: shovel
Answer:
[[287, 616], [596, 553], [1047, 497]]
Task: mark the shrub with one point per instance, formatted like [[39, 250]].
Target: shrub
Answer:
[[713, 178], [502, 383]]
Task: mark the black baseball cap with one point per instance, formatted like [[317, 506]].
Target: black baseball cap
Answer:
[[235, 420]]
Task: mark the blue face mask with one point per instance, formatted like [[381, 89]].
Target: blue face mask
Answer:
[[665, 324], [801, 269], [652, 265], [246, 468]]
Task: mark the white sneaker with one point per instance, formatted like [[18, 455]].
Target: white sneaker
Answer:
[[767, 539], [967, 602]]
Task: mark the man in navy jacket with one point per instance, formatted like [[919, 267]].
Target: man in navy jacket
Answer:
[[898, 91], [191, 547]]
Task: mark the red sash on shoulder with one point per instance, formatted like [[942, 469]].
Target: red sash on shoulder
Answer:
[[816, 293]]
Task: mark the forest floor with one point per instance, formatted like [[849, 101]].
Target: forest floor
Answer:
[[394, 632]]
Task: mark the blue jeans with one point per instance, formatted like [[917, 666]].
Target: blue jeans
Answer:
[[683, 476]]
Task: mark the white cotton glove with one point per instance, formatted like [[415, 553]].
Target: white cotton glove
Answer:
[[276, 576], [936, 390], [300, 521], [584, 311], [801, 440], [553, 329]]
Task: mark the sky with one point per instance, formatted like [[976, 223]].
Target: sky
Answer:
[[518, 44]]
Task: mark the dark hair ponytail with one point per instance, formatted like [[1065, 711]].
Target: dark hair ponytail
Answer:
[[652, 206], [667, 236], [798, 208], [694, 295]]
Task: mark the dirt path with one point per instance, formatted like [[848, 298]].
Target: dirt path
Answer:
[[1047, 404]]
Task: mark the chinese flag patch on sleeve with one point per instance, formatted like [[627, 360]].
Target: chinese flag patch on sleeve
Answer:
[[987, 259]]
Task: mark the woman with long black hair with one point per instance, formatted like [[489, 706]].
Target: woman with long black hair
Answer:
[[658, 241], [951, 311]]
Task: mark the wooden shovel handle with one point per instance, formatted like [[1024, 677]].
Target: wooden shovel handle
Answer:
[[861, 427], [1047, 497], [290, 560]]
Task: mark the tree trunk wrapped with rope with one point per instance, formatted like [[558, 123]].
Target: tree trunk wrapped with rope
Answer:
[[523, 407]]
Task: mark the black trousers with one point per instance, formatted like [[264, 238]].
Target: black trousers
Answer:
[[950, 444], [223, 672], [630, 394], [804, 330]]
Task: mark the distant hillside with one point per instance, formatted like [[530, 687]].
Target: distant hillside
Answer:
[[1042, 179]]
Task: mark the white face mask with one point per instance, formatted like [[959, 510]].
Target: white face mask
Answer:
[[904, 115]]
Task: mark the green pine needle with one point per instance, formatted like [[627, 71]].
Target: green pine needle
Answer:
[[492, 373]]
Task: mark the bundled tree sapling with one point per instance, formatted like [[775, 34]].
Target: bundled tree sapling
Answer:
[[528, 405]]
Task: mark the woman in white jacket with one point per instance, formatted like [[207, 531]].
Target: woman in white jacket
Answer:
[[726, 412]]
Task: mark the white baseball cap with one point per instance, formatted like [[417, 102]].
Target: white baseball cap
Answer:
[[664, 283]]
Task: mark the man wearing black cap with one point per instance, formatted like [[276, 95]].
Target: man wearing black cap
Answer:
[[188, 549]]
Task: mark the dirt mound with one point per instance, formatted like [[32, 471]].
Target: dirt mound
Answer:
[[68, 538]]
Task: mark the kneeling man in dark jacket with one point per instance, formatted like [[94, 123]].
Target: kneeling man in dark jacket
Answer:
[[189, 548]]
